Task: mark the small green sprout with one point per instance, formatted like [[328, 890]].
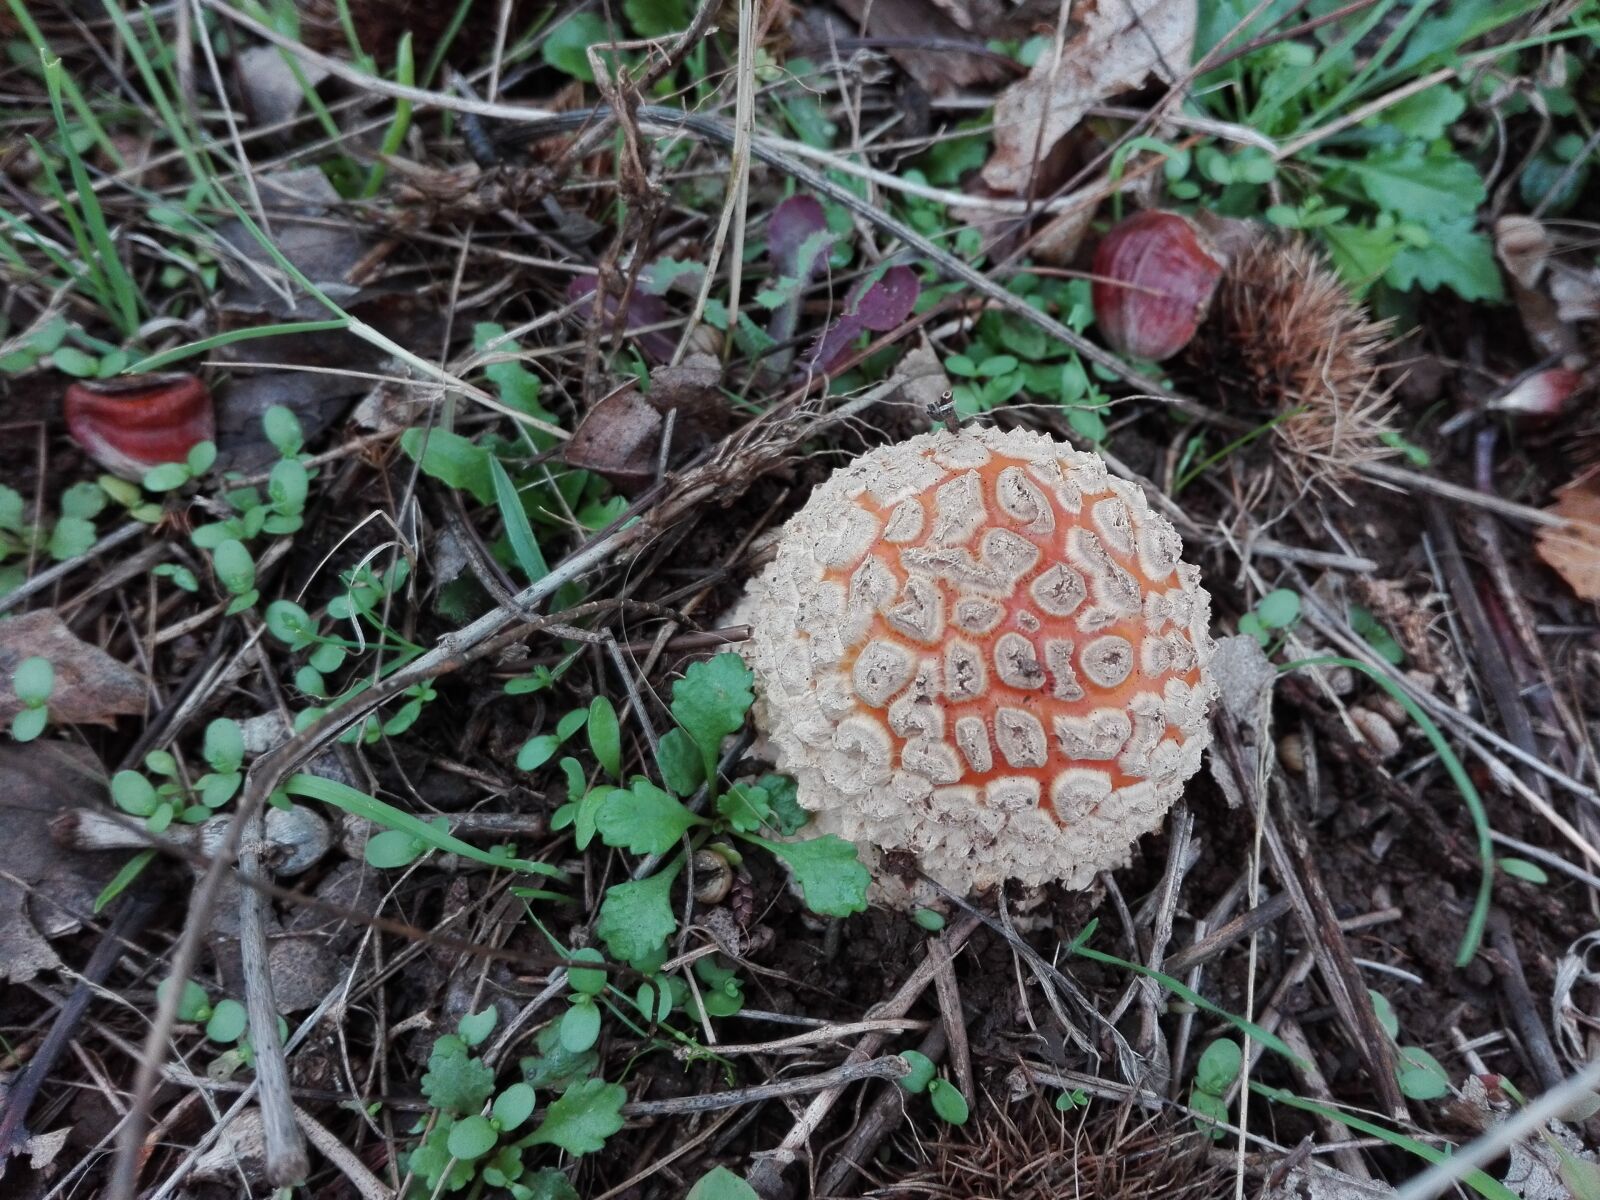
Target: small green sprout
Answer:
[[33, 681]]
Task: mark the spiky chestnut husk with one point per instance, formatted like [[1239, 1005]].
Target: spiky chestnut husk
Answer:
[[1287, 339], [1100, 1154]]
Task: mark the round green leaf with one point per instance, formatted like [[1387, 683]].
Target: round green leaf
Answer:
[[290, 624], [1209, 1112], [34, 680], [71, 537], [1420, 1074], [132, 793], [475, 1028], [566, 47], [224, 745], [471, 1138], [513, 1106], [580, 1025], [228, 1022], [537, 751], [1385, 1012], [1279, 609], [168, 477], [722, 1184], [161, 762], [1218, 1066], [393, 848], [287, 485], [930, 920], [282, 428], [921, 1074], [193, 1005], [590, 983], [71, 361], [29, 724], [948, 1101], [571, 722], [234, 566], [200, 458]]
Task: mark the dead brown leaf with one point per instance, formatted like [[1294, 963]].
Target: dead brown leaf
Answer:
[[1550, 294], [925, 36], [618, 438], [1117, 47], [43, 888], [1573, 552], [92, 688]]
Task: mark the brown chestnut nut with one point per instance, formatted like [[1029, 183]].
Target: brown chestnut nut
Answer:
[[132, 424], [1154, 277]]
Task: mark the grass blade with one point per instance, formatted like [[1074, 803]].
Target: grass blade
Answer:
[[1473, 937], [190, 349], [1183, 991], [1485, 1185], [387, 816], [518, 531], [116, 275]]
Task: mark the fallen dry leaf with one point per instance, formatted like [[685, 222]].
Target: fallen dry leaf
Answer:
[[44, 889], [1118, 46], [618, 438], [92, 688], [315, 375], [1573, 552], [1539, 282], [908, 25]]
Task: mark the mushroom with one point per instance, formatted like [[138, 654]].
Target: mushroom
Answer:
[[978, 647]]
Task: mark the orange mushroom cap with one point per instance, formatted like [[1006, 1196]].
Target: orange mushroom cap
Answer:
[[979, 647]]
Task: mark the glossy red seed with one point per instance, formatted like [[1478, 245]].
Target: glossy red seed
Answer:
[[1153, 283], [130, 425]]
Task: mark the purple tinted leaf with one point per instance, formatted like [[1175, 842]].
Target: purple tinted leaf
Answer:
[[888, 300], [796, 221], [798, 242], [878, 305], [643, 311]]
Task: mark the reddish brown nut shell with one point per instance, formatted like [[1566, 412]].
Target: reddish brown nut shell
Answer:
[[1154, 278], [130, 425]]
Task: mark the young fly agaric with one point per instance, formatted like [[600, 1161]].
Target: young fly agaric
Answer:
[[131, 425], [979, 647]]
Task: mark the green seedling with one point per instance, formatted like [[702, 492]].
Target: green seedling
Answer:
[[282, 510], [1075, 1099], [1214, 1074], [160, 801], [69, 535], [1277, 611], [476, 1129], [224, 1022], [169, 477], [1419, 1074], [946, 1098], [33, 681]]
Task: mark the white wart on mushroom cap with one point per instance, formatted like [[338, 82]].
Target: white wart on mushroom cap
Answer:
[[979, 647]]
